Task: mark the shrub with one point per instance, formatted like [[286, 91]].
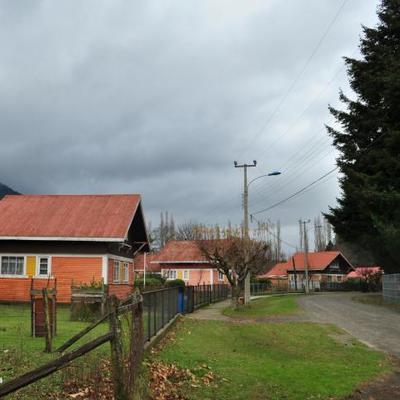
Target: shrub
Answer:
[[150, 281], [93, 286], [159, 277], [352, 284], [175, 283]]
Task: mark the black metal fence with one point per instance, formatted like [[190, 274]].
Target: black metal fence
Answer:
[[160, 306], [258, 289], [391, 288], [201, 295]]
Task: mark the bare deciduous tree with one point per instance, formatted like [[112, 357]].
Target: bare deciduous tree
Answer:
[[189, 230], [236, 257]]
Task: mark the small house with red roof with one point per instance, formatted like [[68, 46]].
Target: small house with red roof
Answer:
[[69, 239], [323, 267], [277, 275], [183, 259]]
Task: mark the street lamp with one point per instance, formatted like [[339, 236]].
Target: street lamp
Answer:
[[246, 212], [274, 173]]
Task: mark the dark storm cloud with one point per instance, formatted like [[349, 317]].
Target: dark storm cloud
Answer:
[[160, 98]]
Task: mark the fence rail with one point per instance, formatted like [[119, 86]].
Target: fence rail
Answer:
[[201, 295], [113, 336], [391, 288], [142, 316]]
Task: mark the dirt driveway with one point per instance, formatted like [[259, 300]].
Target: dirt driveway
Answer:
[[376, 326]]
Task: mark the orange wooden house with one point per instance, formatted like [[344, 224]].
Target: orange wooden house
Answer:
[[69, 239]]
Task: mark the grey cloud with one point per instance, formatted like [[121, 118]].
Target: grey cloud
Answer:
[[161, 97]]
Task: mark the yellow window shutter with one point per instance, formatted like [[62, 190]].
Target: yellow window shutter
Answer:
[[179, 274], [31, 265]]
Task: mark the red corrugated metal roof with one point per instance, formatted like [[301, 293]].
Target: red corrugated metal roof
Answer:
[[316, 261], [67, 216], [139, 262], [277, 270], [180, 251]]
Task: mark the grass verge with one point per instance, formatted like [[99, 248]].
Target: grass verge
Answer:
[[291, 361], [19, 352], [266, 306], [377, 300]]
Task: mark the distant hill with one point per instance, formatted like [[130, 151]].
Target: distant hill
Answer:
[[4, 189]]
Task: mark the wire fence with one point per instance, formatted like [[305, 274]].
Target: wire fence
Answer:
[[391, 288], [81, 360]]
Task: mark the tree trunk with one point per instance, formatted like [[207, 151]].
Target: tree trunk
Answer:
[[236, 294]]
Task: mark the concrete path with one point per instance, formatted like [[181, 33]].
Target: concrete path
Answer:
[[211, 312], [376, 326]]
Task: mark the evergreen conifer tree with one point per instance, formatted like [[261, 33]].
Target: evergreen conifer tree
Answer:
[[368, 212]]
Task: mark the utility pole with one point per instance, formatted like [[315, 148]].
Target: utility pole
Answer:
[[305, 241], [246, 219]]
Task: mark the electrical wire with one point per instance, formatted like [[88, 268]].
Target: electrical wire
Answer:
[[304, 68], [317, 180]]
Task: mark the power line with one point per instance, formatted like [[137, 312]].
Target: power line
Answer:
[[300, 74], [298, 192], [317, 180], [299, 172]]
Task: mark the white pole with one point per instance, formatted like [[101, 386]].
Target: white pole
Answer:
[[144, 269]]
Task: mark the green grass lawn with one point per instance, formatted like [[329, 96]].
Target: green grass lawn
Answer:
[[377, 300], [19, 352], [266, 306], [271, 360]]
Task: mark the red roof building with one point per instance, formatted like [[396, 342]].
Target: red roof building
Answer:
[[70, 217], [69, 239], [182, 259], [143, 262], [324, 266]]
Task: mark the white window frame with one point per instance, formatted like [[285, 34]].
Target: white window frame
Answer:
[[117, 266], [221, 276], [126, 272], [170, 274], [13, 275], [185, 275], [335, 266], [38, 258]]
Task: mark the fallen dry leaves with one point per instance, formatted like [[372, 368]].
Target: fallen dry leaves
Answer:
[[96, 385], [169, 382]]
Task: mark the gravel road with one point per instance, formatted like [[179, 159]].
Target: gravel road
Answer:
[[376, 326]]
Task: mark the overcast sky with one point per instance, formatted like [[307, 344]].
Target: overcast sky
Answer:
[[160, 97]]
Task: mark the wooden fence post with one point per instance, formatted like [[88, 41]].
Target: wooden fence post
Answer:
[[116, 352], [47, 326], [136, 342]]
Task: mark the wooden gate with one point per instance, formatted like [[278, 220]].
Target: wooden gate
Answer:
[[43, 311]]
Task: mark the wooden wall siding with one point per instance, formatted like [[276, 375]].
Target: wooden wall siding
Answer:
[[76, 269], [18, 289], [119, 290], [15, 289]]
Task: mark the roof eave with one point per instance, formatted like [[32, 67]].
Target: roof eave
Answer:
[[179, 262], [63, 238]]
